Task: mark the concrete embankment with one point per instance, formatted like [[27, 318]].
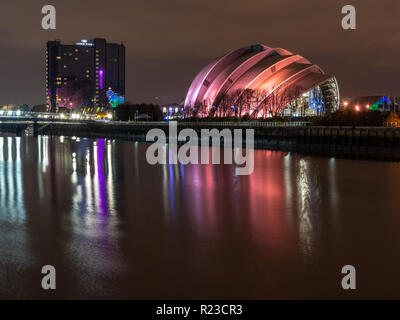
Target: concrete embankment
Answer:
[[365, 142]]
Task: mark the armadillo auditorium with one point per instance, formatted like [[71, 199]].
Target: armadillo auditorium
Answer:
[[261, 81]]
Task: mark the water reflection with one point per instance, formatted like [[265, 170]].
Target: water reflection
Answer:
[[12, 204], [307, 198], [116, 226]]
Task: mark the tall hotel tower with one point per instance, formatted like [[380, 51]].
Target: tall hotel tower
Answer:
[[84, 74]]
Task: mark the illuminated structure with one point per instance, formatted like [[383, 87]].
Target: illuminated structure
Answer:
[[80, 74], [260, 81], [374, 103]]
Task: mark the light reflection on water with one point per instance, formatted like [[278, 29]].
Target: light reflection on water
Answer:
[[114, 226], [11, 183]]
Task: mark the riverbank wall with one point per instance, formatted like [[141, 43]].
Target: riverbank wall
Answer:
[[362, 142]]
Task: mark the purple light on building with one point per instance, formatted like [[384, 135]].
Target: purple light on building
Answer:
[[101, 73]]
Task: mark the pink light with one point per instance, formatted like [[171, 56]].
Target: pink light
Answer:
[[101, 73]]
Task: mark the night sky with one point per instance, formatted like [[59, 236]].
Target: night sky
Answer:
[[168, 41]]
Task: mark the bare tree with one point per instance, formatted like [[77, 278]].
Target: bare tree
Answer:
[[203, 109], [259, 103], [245, 101], [225, 105], [292, 93], [188, 112], [279, 98]]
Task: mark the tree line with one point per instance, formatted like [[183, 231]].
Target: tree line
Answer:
[[251, 103]]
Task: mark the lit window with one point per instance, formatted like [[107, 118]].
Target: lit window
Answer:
[[58, 58], [65, 67]]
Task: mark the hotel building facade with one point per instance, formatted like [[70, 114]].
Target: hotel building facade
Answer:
[[84, 74]]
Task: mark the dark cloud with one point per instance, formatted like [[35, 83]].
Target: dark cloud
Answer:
[[168, 41]]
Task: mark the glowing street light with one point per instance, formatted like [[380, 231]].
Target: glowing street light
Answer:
[[357, 108]]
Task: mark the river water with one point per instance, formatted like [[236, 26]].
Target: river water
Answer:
[[114, 226]]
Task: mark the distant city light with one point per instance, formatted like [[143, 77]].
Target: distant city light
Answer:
[[357, 108]]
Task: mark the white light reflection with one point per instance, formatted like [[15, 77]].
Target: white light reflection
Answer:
[[304, 191], [45, 146], [11, 181], [39, 175], [74, 176], [288, 185], [2, 175]]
